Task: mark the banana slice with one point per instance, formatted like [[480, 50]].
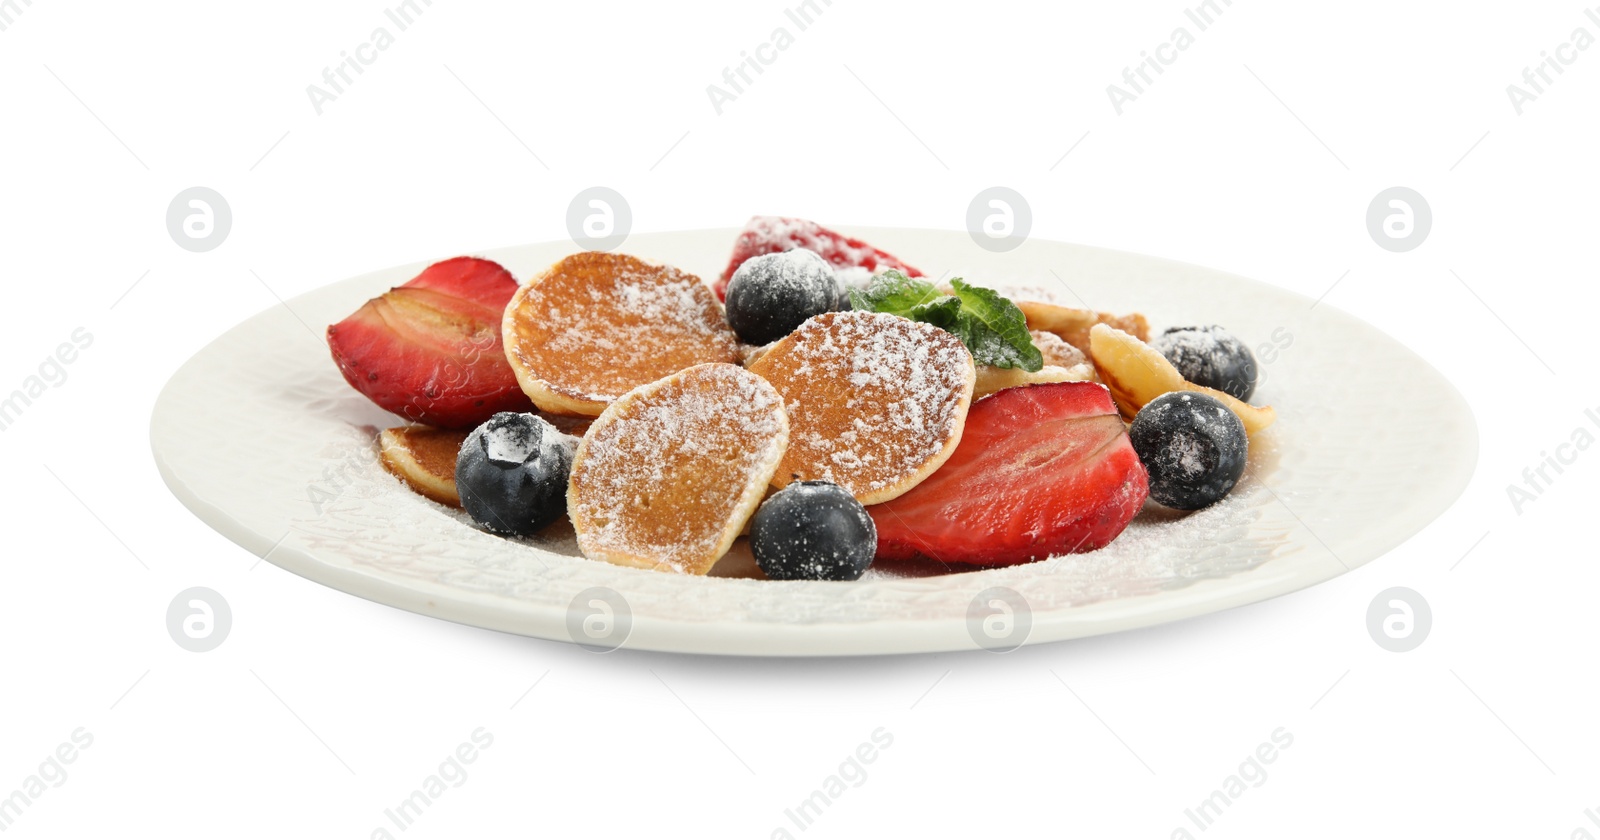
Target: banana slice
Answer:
[[1137, 373]]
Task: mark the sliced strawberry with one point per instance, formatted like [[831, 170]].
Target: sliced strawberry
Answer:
[[469, 278], [1041, 470], [430, 350], [775, 234]]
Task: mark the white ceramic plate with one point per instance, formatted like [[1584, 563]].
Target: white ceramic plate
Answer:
[[260, 436]]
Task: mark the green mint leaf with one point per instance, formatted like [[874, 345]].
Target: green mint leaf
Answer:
[[994, 329], [943, 312], [893, 292]]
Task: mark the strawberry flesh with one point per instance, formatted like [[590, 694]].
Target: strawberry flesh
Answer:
[[430, 350], [776, 234], [1041, 470]]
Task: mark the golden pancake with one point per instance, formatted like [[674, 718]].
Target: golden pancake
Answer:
[[876, 402], [568, 424], [991, 379], [1056, 351], [424, 458], [594, 326], [669, 473], [1062, 363]]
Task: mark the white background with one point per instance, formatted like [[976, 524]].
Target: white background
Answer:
[[320, 709]]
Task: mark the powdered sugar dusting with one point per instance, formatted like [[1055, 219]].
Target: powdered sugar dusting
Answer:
[[795, 275], [853, 276], [598, 325], [1056, 350], [1163, 549], [1191, 452], [1191, 341], [668, 474], [1160, 549], [510, 442], [781, 233], [873, 398]]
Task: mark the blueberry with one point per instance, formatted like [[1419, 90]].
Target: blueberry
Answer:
[[1211, 356], [813, 530], [512, 473], [1192, 445], [772, 294]]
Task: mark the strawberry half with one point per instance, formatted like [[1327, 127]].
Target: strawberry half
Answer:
[[1041, 470], [430, 350], [776, 234]]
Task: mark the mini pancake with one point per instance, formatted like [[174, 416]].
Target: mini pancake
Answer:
[[424, 458], [1056, 351], [876, 402], [668, 475], [991, 379], [568, 424], [1062, 363], [596, 325]]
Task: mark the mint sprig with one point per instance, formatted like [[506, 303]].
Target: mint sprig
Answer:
[[892, 292], [992, 327]]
